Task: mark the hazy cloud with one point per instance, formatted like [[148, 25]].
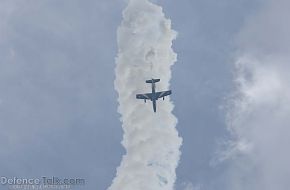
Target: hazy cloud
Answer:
[[259, 116]]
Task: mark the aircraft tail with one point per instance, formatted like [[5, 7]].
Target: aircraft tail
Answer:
[[152, 80]]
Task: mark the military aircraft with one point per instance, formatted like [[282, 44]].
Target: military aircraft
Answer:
[[154, 95]]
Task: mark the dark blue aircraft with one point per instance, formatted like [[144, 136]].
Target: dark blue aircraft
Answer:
[[154, 95]]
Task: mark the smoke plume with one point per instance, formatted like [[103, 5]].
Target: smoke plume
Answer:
[[150, 139]]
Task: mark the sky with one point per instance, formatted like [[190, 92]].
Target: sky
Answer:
[[58, 105]]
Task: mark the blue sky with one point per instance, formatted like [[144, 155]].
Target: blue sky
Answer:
[[58, 106]]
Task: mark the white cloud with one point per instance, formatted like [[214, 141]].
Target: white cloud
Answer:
[[260, 110]]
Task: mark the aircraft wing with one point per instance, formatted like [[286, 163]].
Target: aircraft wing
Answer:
[[147, 96], [163, 94]]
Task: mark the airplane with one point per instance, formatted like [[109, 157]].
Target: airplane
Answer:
[[154, 95]]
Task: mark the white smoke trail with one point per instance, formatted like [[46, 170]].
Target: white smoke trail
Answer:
[[260, 116], [150, 139]]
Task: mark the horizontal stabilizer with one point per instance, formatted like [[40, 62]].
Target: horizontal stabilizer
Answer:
[[152, 80]]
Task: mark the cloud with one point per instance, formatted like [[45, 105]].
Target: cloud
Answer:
[[258, 117]]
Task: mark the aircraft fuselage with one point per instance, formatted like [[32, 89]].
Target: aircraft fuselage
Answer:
[[153, 97]]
